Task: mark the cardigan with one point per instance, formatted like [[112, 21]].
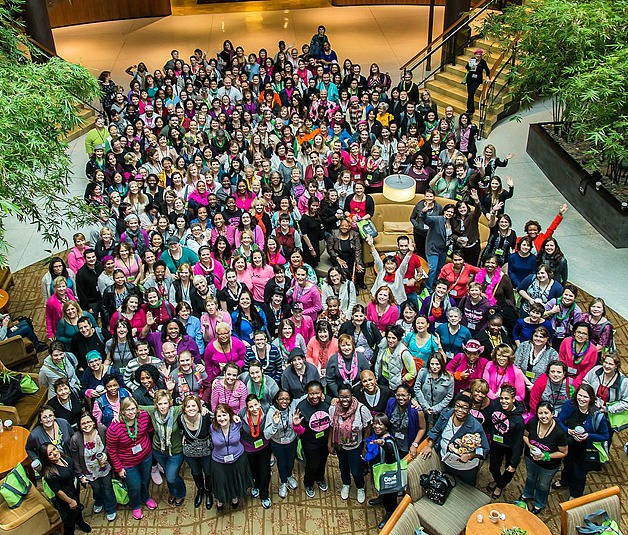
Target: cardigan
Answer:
[[389, 317], [513, 375], [333, 377], [347, 295], [235, 398], [214, 358], [77, 448], [459, 364], [579, 370], [533, 371], [54, 312]]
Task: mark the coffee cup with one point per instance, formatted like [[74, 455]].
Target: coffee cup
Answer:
[[8, 425], [493, 516], [535, 452], [100, 389], [480, 518], [579, 430], [101, 458]]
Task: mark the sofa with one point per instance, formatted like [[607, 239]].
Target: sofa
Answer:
[[392, 219], [417, 510], [34, 516], [17, 350], [572, 513], [25, 412]]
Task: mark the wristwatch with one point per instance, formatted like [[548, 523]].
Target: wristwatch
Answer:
[[415, 445]]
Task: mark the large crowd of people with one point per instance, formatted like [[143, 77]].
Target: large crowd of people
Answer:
[[189, 323]]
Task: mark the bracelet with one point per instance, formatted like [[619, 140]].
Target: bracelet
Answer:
[[546, 456]]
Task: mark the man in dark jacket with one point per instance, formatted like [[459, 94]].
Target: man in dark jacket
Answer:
[[87, 284]]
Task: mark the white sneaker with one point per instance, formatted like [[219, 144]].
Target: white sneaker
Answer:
[[97, 509], [292, 483], [344, 492], [361, 496], [156, 475], [254, 492], [111, 517], [283, 490]]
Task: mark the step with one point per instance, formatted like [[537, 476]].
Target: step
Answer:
[[460, 106], [449, 77], [88, 119], [460, 71], [457, 91]]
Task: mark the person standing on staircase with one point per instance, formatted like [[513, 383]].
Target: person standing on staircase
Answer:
[[476, 67]]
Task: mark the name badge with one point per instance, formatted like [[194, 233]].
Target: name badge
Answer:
[[471, 325], [453, 293], [228, 458], [530, 375], [572, 371], [498, 438], [400, 436], [258, 444], [499, 252], [320, 434], [136, 449]]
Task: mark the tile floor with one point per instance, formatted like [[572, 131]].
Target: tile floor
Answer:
[[387, 35]]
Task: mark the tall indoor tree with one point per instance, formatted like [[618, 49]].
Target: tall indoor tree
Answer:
[[38, 108]]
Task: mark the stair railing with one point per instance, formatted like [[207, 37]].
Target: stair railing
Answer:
[[489, 95], [450, 43]]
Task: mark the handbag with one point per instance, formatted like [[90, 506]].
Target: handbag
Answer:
[[28, 385], [598, 522], [390, 477], [10, 392], [367, 228], [15, 487], [617, 420], [120, 491], [197, 448], [437, 486]]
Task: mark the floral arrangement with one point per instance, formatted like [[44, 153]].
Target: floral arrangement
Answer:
[[514, 531]]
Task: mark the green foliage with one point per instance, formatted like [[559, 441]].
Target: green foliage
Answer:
[[575, 52], [37, 109]]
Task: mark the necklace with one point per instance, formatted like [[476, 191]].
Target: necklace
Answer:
[[549, 429], [132, 434]]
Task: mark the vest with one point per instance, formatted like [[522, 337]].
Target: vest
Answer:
[[286, 240], [107, 409]]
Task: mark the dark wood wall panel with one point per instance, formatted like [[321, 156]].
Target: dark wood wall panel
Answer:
[[70, 12]]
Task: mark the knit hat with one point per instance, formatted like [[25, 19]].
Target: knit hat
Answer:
[[295, 352], [93, 355]]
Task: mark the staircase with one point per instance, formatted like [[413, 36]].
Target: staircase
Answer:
[[88, 118], [446, 88]]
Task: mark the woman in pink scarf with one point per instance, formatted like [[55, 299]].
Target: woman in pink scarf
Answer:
[[502, 370]]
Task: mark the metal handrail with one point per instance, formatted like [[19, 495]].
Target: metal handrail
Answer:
[[488, 96], [48, 55], [453, 30]]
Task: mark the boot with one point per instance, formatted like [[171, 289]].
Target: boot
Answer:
[[200, 490], [209, 495]]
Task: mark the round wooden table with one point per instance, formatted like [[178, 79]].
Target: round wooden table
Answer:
[[4, 299], [12, 449], [515, 517]]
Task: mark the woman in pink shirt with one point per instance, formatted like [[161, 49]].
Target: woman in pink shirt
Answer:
[[467, 366], [54, 305], [578, 352], [223, 350], [260, 273], [502, 370], [305, 292], [382, 310], [228, 389], [75, 256]]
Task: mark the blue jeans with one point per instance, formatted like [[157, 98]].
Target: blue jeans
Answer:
[[137, 480], [538, 483], [172, 465], [103, 493], [285, 455], [435, 262], [351, 465], [24, 329]]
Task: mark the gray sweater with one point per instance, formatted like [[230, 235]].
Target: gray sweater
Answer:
[[50, 372], [433, 393]]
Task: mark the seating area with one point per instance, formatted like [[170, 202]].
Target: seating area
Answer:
[[25, 412]]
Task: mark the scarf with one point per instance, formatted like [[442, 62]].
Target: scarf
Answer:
[[164, 430], [489, 290], [342, 431], [349, 375], [184, 388]]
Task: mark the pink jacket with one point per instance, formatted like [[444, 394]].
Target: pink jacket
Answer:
[[219, 272], [75, 260], [588, 360], [306, 329], [513, 375], [459, 364], [54, 311], [310, 298], [389, 317]]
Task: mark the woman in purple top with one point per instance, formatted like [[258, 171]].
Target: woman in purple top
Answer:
[[231, 475], [174, 331]]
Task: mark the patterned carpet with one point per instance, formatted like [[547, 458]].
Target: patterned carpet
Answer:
[[327, 512]]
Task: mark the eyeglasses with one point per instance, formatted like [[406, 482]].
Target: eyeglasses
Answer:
[[462, 408], [344, 397]]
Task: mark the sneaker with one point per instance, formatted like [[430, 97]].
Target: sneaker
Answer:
[[272, 460], [156, 476], [361, 496], [137, 514], [283, 490], [97, 509], [323, 486], [266, 503], [375, 501], [344, 492], [309, 491], [254, 492], [111, 517], [151, 504], [292, 483]]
